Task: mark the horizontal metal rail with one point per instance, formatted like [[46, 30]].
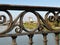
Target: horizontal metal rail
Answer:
[[22, 7], [22, 34]]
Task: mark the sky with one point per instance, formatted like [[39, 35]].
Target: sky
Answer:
[[32, 2], [52, 3]]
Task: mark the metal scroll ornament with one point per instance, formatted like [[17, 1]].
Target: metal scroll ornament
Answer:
[[21, 21], [3, 22], [53, 21]]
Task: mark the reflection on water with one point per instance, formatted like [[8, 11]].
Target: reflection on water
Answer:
[[23, 40]]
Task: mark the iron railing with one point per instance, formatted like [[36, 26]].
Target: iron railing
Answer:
[[38, 30]]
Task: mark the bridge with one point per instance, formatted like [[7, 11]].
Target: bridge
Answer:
[[38, 30]]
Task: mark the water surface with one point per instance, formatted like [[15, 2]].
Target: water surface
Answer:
[[24, 40]]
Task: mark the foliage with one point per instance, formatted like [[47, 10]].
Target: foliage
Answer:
[[30, 25]]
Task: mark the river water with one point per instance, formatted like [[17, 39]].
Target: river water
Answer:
[[24, 40]]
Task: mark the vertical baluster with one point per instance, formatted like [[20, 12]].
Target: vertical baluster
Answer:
[[57, 38], [14, 40], [45, 38], [30, 39]]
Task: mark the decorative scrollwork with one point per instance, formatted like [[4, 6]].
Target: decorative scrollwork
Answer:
[[21, 20], [54, 18], [58, 18], [18, 30], [51, 18], [11, 24], [4, 21]]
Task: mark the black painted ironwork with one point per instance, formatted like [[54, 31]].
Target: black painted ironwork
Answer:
[[38, 30]]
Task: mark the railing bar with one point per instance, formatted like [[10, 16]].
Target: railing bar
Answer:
[[22, 7], [14, 40], [45, 39], [21, 34], [57, 38], [30, 39]]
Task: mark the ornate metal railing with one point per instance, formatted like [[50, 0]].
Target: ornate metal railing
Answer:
[[47, 20]]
